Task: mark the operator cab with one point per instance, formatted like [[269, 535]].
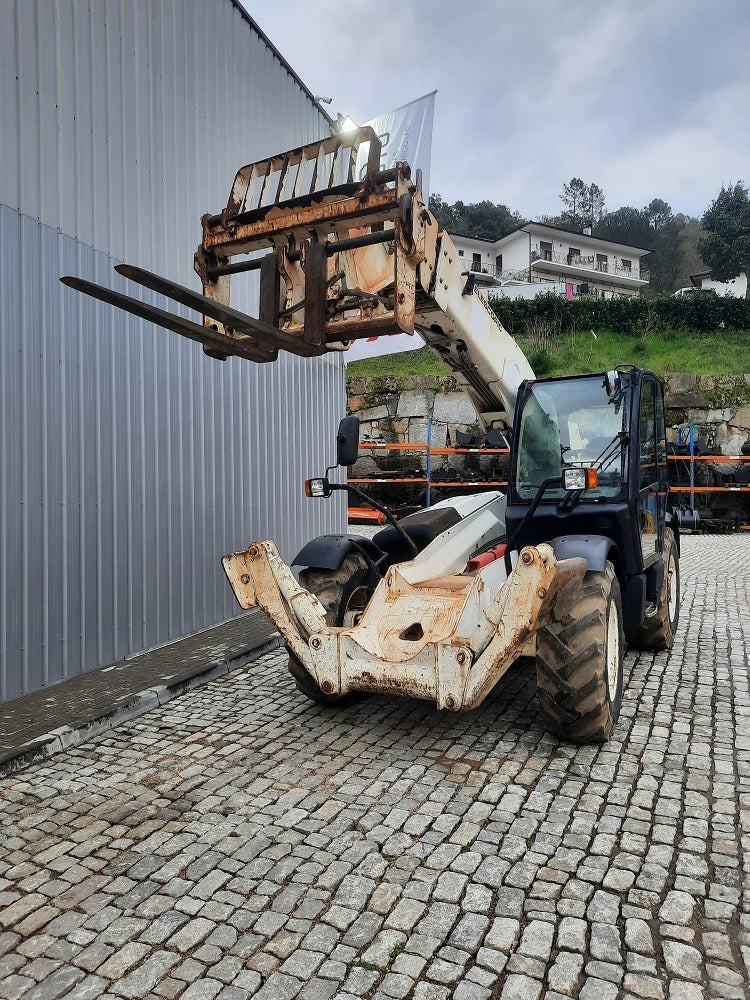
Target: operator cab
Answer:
[[612, 422], [571, 423]]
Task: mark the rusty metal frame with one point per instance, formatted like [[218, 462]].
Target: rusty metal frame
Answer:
[[297, 218], [462, 652], [327, 231], [283, 166]]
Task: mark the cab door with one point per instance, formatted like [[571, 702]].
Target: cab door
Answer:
[[650, 479]]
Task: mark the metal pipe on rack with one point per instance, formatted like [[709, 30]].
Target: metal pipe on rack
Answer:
[[429, 459], [692, 465]]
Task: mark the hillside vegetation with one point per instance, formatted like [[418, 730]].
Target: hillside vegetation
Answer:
[[708, 353], [706, 336]]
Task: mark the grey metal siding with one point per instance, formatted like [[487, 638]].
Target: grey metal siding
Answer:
[[131, 462], [122, 121]]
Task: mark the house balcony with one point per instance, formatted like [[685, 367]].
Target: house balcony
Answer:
[[484, 274], [564, 266]]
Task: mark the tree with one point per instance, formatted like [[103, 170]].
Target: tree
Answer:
[[443, 212], [664, 233], [584, 204], [482, 218], [726, 246], [690, 259], [595, 205], [658, 213], [575, 197], [656, 227], [626, 225], [664, 263]]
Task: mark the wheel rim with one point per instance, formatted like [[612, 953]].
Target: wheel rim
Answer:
[[671, 588], [355, 607], [613, 650]]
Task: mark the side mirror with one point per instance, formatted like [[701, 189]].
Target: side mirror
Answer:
[[347, 441]]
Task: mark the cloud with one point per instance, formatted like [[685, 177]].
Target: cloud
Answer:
[[647, 98]]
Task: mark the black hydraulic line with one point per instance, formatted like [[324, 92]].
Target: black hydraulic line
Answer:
[[354, 242], [361, 495], [373, 565], [511, 539]]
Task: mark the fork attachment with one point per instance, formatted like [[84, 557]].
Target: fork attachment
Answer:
[[346, 246]]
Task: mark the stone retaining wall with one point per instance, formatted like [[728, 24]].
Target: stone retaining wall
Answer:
[[397, 411], [402, 416], [719, 406]]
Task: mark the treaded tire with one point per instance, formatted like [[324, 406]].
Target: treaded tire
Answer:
[[572, 670], [658, 629], [342, 592]]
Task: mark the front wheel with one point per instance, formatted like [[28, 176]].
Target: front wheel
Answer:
[[579, 663], [661, 620], [344, 593]]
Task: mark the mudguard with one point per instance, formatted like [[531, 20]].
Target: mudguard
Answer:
[[672, 520], [329, 551], [595, 549]]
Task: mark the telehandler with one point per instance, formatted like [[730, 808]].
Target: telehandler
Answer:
[[580, 556]]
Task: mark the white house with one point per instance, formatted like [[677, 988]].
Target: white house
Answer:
[[537, 254], [736, 286]]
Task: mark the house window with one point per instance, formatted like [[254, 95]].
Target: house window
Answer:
[[545, 249], [476, 262], [460, 253], [573, 254], [627, 264], [601, 262], [499, 262]]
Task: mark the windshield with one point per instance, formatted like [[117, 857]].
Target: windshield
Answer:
[[570, 423]]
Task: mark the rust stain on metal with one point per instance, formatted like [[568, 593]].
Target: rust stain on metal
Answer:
[[244, 237], [412, 648], [303, 205]]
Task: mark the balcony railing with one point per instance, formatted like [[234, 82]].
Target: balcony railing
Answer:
[[497, 273], [590, 263], [479, 268]]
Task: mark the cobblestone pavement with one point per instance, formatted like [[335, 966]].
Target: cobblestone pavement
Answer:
[[241, 841]]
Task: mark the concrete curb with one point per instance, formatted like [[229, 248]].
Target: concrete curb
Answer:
[[66, 737]]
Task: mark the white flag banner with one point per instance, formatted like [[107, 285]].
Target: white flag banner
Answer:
[[406, 136]]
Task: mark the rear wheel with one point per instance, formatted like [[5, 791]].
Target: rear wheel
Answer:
[[660, 622], [344, 593], [579, 663]]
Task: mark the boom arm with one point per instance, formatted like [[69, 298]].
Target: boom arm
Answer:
[[351, 251], [460, 327]]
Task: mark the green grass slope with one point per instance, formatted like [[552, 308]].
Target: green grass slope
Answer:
[[716, 352]]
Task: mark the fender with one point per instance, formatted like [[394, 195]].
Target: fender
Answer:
[[595, 549], [329, 551], [671, 520]]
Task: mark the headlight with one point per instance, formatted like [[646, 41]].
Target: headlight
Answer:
[[577, 480], [317, 488]]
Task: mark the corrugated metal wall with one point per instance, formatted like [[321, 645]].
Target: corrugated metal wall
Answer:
[[131, 462]]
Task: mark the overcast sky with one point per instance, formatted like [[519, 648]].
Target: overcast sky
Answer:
[[647, 98]]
